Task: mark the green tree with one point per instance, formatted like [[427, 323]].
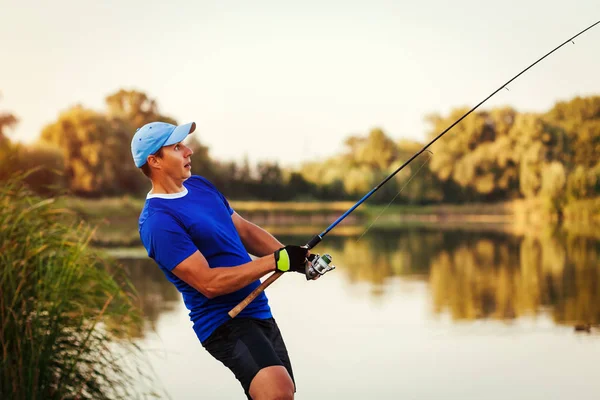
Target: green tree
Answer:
[[537, 144], [364, 163], [553, 184], [7, 157], [477, 154], [7, 121], [135, 107], [96, 146], [270, 182], [44, 165], [96, 152], [202, 162], [376, 150], [579, 118], [327, 175], [581, 183], [300, 187]]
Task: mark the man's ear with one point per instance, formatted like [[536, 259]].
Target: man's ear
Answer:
[[153, 161]]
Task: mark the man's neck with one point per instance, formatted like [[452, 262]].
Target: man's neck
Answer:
[[166, 185]]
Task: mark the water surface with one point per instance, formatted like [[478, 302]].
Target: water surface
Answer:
[[411, 314]]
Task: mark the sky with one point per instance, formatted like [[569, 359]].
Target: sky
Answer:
[[289, 81]]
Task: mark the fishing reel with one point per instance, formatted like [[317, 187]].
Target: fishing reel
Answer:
[[318, 265]]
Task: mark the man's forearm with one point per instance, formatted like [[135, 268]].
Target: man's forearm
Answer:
[[217, 281], [258, 241], [229, 279]]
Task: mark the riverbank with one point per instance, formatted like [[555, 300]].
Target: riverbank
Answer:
[[115, 219]]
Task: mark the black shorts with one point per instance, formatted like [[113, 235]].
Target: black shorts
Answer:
[[247, 345]]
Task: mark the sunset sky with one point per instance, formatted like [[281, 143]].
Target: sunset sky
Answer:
[[288, 81]]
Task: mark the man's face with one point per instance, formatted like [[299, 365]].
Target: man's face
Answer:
[[176, 161]]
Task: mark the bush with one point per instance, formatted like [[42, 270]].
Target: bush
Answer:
[[65, 311], [44, 165]]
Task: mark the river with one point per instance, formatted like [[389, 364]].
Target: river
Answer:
[[409, 314]]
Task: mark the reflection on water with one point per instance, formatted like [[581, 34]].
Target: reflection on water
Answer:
[[405, 309], [483, 275], [471, 275], [155, 294]]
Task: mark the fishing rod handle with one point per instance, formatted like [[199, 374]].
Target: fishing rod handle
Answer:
[[244, 303]]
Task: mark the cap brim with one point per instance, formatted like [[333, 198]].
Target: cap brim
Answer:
[[180, 133]]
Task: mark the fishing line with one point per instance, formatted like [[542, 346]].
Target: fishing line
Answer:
[[317, 238], [397, 194]]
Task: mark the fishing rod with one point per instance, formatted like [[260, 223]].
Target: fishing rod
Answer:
[[321, 265]]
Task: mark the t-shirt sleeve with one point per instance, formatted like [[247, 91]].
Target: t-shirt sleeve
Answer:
[[167, 241], [214, 188], [229, 209]]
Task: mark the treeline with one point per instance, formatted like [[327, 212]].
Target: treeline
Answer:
[[473, 275], [493, 155]]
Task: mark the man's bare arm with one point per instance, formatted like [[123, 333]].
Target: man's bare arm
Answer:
[[213, 282], [256, 240]]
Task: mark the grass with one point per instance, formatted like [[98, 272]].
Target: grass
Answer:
[[65, 310]]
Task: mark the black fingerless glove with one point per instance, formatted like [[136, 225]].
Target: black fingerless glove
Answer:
[[291, 258]]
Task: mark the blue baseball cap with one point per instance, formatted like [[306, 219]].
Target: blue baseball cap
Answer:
[[151, 137]]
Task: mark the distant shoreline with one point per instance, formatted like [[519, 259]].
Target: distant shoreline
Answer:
[[116, 218]]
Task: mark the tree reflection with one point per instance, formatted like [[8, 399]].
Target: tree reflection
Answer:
[[470, 274], [155, 294], [483, 274]]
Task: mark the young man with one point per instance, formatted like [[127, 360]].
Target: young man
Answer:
[[201, 244]]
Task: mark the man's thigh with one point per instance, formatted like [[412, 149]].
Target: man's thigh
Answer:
[[247, 346]]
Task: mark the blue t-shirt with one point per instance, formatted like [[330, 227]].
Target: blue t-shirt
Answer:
[[173, 226]]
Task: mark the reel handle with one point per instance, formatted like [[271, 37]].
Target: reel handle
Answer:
[[244, 303]]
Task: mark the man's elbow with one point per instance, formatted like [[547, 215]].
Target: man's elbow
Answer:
[[244, 235], [212, 284], [210, 292]]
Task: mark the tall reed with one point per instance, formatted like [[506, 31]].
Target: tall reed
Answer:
[[65, 310]]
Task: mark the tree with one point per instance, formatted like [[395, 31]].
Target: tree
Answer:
[[300, 187], [202, 163], [583, 183], [270, 182], [376, 150], [579, 118], [477, 154], [7, 120], [96, 152], [364, 162], [43, 165], [536, 144], [96, 146], [135, 107], [553, 184]]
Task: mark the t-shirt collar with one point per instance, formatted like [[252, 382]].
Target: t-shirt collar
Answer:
[[167, 196]]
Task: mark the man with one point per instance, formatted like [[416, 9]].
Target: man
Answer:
[[201, 244]]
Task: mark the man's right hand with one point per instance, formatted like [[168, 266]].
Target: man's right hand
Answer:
[[291, 258]]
